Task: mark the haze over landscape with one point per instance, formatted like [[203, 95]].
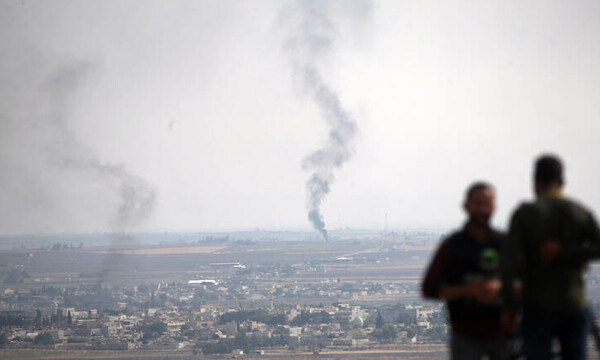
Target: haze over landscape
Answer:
[[269, 178], [194, 116]]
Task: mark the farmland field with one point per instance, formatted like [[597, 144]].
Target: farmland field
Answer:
[[164, 250]]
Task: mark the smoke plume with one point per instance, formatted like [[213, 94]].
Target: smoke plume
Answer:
[[136, 197], [313, 39]]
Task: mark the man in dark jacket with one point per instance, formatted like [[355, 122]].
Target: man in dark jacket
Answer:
[[465, 273], [550, 241]]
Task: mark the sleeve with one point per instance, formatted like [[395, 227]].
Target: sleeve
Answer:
[[434, 277], [587, 249], [511, 252]]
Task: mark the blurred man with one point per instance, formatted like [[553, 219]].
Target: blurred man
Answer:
[[553, 238], [465, 273]]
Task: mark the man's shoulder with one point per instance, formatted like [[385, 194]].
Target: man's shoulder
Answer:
[[529, 210], [579, 211], [454, 236], [525, 210], [461, 235], [576, 204], [496, 234], [565, 205], [526, 207], [448, 241]]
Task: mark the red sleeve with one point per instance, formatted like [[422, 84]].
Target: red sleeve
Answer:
[[433, 280]]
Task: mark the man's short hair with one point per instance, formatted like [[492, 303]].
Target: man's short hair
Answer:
[[476, 186], [548, 168]]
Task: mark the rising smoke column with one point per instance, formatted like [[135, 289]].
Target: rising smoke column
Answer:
[[312, 40], [333, 154], [136, 196]]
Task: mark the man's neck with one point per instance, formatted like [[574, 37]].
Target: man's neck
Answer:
[[553, 189], [552, 192], [476, 231]]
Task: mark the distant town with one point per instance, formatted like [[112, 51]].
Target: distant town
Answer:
[[224, 295]]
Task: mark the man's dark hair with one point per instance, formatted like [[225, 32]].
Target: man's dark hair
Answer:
[[476, 186], [548, 169]]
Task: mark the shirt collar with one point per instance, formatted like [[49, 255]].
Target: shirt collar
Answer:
[[553, 193], [491, 232]]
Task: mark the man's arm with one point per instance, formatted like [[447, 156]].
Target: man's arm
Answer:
[[482, 290], [512, 251], [574, 249], [434, 277], [576, 252], [510, 258], [434, 287]]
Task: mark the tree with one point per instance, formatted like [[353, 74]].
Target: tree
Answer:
[[37, 321], [221, 347], [15, 276], [387, 332], [407, 317], [43, 339], [437, 333], [347, 287], [379, 323], [241, 340], [410, 332], [8, 321], [158, 327], [163, 298], [154, 330], [305, 317]]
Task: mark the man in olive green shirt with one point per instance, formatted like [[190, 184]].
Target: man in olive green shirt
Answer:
[[549, 244]]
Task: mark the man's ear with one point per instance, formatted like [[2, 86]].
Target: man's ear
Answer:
[[537, 186]]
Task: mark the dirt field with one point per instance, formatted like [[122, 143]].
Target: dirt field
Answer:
[[150, 264], [165, 250], [187, 355]]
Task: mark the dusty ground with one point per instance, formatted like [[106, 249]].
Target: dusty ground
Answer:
[[164, 251]]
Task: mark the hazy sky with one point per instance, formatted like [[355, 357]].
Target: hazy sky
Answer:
[[192, 115]]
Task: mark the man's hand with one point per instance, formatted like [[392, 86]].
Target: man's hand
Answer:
[[549, 251], [517, 288], [507, 322], [485, 291]]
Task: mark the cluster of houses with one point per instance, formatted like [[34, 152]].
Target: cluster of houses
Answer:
[[134, 322]]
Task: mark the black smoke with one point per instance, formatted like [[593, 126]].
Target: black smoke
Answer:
[[136, 197], [312, 41]]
